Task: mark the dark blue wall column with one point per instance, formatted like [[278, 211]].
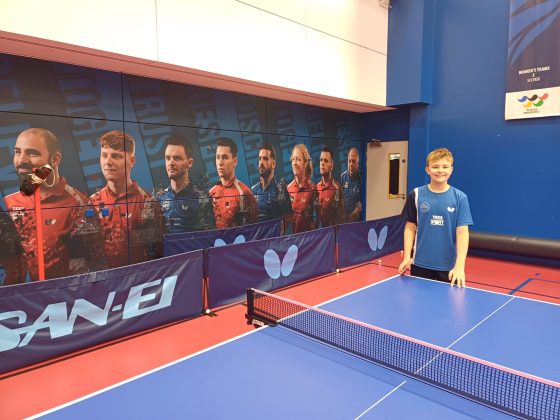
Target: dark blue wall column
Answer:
[[410, 52], [418, 145]]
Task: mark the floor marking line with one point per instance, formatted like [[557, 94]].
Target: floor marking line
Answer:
[[521, 286], [463, 336], [380, 400], [149, 372]]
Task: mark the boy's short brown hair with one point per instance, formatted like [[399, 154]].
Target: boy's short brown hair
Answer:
[[438, 154], [118, 140]]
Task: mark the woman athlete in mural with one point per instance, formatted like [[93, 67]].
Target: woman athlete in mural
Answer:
[[303, 193]]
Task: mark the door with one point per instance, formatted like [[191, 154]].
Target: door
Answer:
[[386, 178]]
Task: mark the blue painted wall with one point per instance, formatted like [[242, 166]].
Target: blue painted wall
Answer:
[[509, 169]]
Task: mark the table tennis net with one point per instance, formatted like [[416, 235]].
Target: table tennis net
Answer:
[[501, 388]]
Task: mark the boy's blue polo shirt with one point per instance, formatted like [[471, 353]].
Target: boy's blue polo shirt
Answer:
[[437, 216]]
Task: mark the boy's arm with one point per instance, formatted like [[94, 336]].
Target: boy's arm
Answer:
[[457, 274], [409, 234], [410, 215]]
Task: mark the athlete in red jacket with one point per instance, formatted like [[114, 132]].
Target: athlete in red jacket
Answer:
[[70, 225], [233, 201], [330, 203], [131, 219]]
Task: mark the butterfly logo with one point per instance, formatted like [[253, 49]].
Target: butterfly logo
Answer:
[[274, 268], [240, 239], [377, 241]]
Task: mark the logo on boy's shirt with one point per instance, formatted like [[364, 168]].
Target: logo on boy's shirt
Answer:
[[450, 209], [436, 220], [424, 207]]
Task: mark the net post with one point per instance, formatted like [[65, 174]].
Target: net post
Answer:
[[205, 282], [336, 266], [250, 306]]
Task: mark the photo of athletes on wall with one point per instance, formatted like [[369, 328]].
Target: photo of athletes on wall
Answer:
[[161, 158]]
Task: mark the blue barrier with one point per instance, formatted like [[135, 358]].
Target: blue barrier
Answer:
[[363, 241], [177, 243], [268, 264], [51, 318], [41, 320]]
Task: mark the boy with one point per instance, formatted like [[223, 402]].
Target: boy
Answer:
[[437, 223]]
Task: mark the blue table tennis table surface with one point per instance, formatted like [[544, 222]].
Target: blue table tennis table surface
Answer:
[[273, 373]]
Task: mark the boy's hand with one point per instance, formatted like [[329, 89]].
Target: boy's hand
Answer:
[[405, 265], [457, 275]]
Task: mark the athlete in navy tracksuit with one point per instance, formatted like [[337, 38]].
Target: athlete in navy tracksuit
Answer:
[[273, 201], [181, 201], [351, 181]]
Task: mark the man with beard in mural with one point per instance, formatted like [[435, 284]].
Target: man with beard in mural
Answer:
[[70, 228], [181, 201], [272, 196]]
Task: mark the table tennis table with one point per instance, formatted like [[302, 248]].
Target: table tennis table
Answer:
[[273, 373]]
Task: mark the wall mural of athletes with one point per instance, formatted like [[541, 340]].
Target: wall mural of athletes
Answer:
[[135, 158]]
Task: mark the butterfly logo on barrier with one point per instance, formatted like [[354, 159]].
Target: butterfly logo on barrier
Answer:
[[240, 239], [377, 241], [274, 268]]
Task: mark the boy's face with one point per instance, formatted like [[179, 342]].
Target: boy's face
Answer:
[[439, 171]]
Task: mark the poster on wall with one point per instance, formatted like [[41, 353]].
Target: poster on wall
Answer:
[[136, 158], [533, 67]]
